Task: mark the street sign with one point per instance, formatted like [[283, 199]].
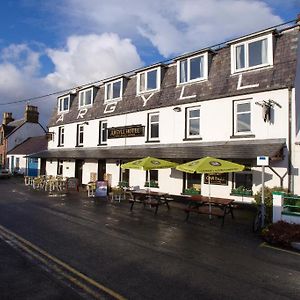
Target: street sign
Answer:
[[262, 160]]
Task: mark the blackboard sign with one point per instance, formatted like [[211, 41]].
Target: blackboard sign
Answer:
[[101, 189], [72, 184], [217, 179], [125, 131]]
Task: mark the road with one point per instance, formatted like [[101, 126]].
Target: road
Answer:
[[98, 249]]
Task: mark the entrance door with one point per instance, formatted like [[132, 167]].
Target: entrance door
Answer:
[[33, 167], [78, 170], [101, 169]]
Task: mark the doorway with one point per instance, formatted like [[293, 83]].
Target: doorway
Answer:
[[78, 170], [101, 169]]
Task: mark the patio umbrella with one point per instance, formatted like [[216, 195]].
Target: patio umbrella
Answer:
[[210, 165], [149, 163]]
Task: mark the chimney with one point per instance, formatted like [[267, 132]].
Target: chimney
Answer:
[[31, 114], [7, 118]]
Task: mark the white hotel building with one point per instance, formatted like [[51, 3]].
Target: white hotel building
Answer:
[[236, 101]]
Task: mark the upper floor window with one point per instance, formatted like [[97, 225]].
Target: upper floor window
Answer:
[[113, 90], [153, 126], [64, 104], [193, 122], [61, 136], [192, 69], [80, 131], [86, 97], [242, 116], [252, 54], [148, 80], [102, 132]]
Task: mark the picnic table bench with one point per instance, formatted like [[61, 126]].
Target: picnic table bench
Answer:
[[212, 206]]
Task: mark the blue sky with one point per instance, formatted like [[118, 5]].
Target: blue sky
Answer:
[[48, 46]]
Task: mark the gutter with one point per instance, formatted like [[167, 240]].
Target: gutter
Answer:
[[290, 177]]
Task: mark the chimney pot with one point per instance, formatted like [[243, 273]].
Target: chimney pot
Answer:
[[7, 118], [31, 114]]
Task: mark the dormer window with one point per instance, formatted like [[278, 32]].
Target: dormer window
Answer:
[[114, 90], [192, 69], [252, 54], [86, 97], [148, 80], [64, 104]]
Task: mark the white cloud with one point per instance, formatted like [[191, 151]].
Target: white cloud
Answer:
[[91, 57], [172, 27]]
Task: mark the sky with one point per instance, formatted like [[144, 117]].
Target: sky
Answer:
[[51, 46]]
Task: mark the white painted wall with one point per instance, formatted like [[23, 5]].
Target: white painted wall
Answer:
[[22, 163], [89, 166], [24, 132], [51, 167]]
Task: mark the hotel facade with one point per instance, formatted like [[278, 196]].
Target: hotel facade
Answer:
[[234, 101]]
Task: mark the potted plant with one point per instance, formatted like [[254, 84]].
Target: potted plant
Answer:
[[191, 191], [152, 184]]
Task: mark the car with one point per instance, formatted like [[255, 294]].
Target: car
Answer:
[[5, 173]]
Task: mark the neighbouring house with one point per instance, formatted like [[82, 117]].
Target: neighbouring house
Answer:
[[13, 132], [21, 163], [236, 101]]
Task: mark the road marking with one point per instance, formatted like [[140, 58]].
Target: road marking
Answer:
[[90, 286], [265, 245]]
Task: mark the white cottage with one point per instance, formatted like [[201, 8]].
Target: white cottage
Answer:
[[235, 101]]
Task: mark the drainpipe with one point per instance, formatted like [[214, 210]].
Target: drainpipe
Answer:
[[290, 177]]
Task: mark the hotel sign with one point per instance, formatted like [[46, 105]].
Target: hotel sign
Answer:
[[217, 179], [125, 131]]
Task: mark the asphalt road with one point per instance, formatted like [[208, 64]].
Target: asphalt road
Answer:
[[139, 255]]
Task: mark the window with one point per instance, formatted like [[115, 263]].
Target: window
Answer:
[[242, 116], [148, 80], [102, 132], [153, 127], [17, 163], [86, 97], [193, 122], [64, 103], [80, 130], [252, 54], [193, 181], [192, 69], [243, 180], [113, 90], [60, 165], [151, 178], [61, 136]]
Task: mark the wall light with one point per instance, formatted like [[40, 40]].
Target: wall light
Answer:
[[177, 109]]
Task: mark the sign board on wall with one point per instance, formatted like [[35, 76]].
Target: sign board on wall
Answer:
[[217, 179], [101, 189], [125, 131]]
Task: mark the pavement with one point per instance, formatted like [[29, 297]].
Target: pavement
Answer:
[[138, 255]]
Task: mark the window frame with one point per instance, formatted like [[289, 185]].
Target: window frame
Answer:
[[158, 80], [100, 137], [60, 167], [84, 92], [106, 99], [80, 130], [244, 172], [188, 59], [149, 138], [61, 136], [246, 43], [187, 122], [235, 104], [59, 102]]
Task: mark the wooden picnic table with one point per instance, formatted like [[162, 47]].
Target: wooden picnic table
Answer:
[[219, 207], [151, 198]]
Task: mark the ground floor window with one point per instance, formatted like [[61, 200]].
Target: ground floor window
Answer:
[[151, 178], [125, 177], [242, 182], [193, 182]]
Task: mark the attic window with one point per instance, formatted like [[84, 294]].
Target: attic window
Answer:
[[148, 80], [113, 90], [192, 69], [86, 97], [64, 104], [252, 54]]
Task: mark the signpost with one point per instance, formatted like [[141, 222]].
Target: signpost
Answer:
[[263, 161]]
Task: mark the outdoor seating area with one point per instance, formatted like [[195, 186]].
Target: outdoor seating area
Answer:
[[46, 183]]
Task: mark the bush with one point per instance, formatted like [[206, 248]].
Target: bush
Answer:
[[282, 233]]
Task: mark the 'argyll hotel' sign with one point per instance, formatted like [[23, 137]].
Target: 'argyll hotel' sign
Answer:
[[125, 131]]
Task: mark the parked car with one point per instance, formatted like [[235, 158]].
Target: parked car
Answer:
[[5, 173]]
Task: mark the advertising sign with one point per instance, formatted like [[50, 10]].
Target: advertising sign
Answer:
[[72, 184], [126, 131], [101, 189], [217, 179]]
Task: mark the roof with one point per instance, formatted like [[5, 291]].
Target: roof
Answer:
[[10, 127], [242, 149], [221, 83], [31, 145]]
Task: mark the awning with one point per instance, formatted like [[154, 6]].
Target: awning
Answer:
[[241, 149]]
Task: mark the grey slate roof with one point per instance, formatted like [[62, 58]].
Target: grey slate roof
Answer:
[[220, 83], [248, 149], [31, 145]]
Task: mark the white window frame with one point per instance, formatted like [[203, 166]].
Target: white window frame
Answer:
[[60, 99], [80, 129], [84, 92], [188, 59], [158, 81], [236, 114], [149, 124], [106, 99], [188, 109], [246, 43], [101, 128], [61, 132]]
